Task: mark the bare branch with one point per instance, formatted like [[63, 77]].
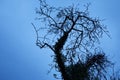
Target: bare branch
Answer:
[[38, 43]]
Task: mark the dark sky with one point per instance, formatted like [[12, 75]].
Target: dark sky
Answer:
[[21, 59]]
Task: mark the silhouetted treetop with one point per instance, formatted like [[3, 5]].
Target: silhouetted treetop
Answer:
[[81, 28]]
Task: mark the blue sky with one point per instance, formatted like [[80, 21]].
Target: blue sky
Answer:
[[21, 59]]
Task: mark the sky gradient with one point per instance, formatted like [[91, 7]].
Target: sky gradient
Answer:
[[21, 59]]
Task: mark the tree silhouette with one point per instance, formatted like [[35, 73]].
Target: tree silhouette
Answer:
[[72, 34]]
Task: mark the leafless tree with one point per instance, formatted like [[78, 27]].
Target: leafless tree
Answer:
[[72, 34]]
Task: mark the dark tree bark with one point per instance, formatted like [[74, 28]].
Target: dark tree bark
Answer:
[[58, 47]]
